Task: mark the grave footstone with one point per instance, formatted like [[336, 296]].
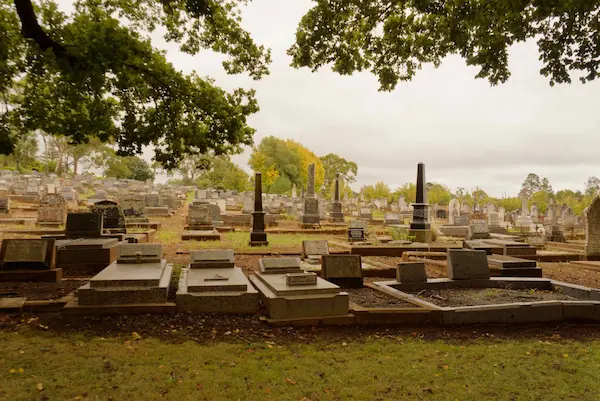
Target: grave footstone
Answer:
[[464, 264], [343, 270], [411, 272]]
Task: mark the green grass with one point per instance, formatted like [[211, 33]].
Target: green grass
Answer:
[[239, 241], [68, 367]]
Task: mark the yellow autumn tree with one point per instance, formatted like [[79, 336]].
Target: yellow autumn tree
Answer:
[[284, 163], [307, 158]]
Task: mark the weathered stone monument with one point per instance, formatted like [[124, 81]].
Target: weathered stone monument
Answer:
[[466, 264], [52, 210], [113, 219], [453, 211], [592, 230], [199, 224], [524, 222], [312, 250], [420, 227], [28, 260], [337, 216], [4, 205], [310, 211], [258, 236], [411, 272], [211, 283]]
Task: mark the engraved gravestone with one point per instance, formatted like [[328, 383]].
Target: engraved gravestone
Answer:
[[52, 210], [199, 217], [343, 270], [592, 232], [84, 225], [113, 217], [479, 229], [466, 264], [293, 279], [312, 250], [279, 265], [4, 205], [140, 253], [19, 254]]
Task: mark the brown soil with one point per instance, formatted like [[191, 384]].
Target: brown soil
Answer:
[[370, 298], [486, 296], [433, 271], [571, 274], [35, 291]]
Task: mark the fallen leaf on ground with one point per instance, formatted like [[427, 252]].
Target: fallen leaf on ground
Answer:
[[289, 381], [40, 386], [136, 336]]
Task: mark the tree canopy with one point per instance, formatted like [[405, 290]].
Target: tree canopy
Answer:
[[393, 39], [94, 73], [284, 163]]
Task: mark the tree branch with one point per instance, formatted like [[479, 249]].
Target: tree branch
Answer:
[[31, 29]]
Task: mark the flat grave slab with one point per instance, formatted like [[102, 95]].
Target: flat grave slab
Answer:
[[277, 283], [216, 280], [510, 262], [129, 275], [91, 243], [216, 290]]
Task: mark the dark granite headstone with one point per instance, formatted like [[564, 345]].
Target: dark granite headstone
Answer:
[[113, 217], [84, 225], [342, 270]]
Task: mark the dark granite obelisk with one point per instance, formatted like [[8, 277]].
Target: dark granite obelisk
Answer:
[[337, 216], [258, 236], [420, 227]]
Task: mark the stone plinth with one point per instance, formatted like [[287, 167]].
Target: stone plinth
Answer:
[[124, 284], [87, 255], [201, 235], [284, 301], [216, 290]]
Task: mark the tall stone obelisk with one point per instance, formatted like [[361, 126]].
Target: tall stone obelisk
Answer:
[[337, 216], [310, 210], [258, 236], [420, 227]]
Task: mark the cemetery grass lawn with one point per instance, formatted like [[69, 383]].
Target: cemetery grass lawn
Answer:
[[38, 364], [238, 241]]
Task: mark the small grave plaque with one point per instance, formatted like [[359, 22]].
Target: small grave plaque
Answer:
[[140, 253], [212, 258], [315, 248], [301, 279], [279, 265], [217, 277], [356, 234]]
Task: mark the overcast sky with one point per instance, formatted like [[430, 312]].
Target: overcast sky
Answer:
[[466, 132]]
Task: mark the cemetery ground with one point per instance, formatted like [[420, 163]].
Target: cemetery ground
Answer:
[[49, 356], [190, 357]]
